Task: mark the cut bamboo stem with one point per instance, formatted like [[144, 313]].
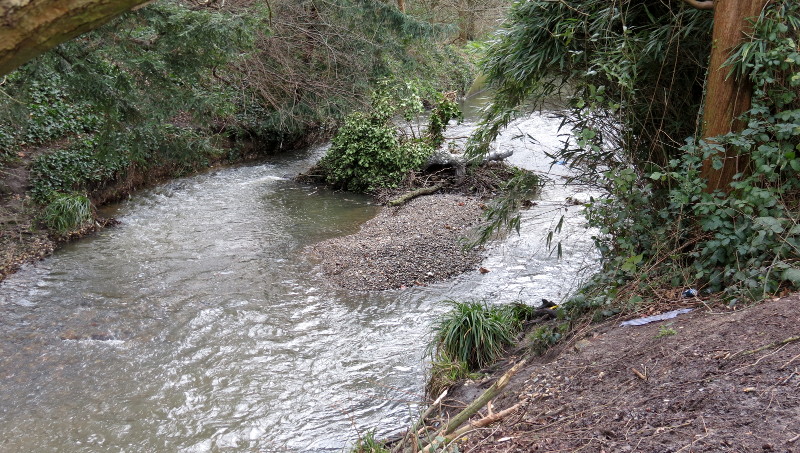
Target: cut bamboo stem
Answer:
[[409, 437]]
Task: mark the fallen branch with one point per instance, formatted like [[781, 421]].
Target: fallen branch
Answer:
[[444, 158], [772, 345], [476, 405], [408, 196], [484, 422], [413, 431], [477, 424]]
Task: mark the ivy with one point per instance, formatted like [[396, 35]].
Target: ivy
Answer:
[[632, 75], [78, 168], [746, 243]]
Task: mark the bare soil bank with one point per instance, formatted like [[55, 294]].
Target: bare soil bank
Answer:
[[713, 380]]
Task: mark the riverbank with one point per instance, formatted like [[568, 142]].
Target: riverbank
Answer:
[[24, 239], [711, 380]]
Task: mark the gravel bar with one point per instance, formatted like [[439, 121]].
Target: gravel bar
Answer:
[[418, 243]]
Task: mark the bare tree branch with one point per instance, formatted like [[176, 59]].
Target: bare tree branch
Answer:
[[28, 28]]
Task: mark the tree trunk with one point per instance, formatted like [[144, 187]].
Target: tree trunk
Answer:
[[727, 97], [31, 27]]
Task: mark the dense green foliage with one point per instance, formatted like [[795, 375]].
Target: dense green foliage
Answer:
[[632, 71], [369, 152], [632, 74], [172, 87], [76, 168], [48, 114], [662, 226]]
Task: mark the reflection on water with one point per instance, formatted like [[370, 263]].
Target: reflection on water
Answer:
[[199, 325]]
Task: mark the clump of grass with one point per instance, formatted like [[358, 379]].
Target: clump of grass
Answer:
[[445, 373], [368, 444], [473, 333], [666, 331], [67, 212]]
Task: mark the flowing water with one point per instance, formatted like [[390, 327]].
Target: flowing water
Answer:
[[198, 324]]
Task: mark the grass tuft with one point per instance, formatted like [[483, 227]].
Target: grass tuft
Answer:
[[67, 212], [473, 333], [368, 444]]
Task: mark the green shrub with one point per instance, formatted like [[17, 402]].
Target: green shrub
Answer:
[[366, 154], [67, 212], [369, 151], [473, 333]]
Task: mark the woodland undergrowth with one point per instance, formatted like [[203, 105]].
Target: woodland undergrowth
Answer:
[[633, 75]]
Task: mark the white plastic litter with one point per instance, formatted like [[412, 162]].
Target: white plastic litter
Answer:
[[654, 318]]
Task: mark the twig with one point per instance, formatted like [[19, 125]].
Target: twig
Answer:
[[476, 405], [785, 365], [639, 374], [771, 345]]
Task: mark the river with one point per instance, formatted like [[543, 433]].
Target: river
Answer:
[[199, 325]]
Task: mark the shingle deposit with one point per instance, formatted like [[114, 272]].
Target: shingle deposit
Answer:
[[418, 243]]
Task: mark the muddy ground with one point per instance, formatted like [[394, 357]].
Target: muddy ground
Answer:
[[713, 380]]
